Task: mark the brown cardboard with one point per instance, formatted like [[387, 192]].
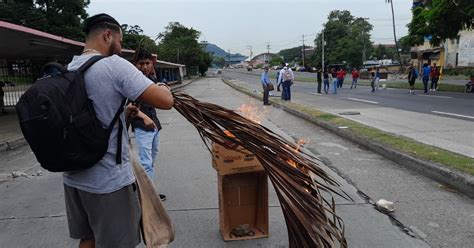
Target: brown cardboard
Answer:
[[243, 199], [228, 161]]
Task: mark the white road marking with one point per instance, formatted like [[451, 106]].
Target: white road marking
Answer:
[[444, 113], [362, 100], [434, 96]]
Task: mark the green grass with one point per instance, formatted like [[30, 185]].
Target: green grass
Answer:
[[400, 143]]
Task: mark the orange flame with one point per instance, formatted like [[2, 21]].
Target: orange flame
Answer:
[[253, 112], [291, 162], [299, 144], [229, 134]]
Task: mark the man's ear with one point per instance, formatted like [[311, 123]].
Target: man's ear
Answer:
[[107, 36]]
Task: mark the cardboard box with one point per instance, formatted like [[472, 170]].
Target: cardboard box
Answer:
[[243, 200], [228, 161]]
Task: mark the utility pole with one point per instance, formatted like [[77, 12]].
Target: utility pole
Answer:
[[395, 35], [363, 50], [228, 56], [178, 56], [251, 52], [322, 50], [304, 52], [267, 59]]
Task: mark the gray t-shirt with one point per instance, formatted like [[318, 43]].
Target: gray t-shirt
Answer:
[[108, 82]]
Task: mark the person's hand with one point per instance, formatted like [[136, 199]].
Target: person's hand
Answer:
[[131, 111], [149, 123]]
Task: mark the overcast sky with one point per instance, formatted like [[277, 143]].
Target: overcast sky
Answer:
[[234, 24]]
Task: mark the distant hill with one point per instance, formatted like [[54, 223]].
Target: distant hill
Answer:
[[219, 52]]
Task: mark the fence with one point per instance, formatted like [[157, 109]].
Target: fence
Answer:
[[15, 78]]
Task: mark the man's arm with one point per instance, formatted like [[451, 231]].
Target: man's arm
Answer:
[[158, 96]]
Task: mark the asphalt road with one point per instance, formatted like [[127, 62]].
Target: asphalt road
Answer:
[[32, 209], [447, 104]]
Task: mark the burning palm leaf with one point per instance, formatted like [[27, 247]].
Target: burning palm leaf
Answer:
[[298, 180]]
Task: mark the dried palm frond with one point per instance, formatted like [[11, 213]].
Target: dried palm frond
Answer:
[[298, 179]]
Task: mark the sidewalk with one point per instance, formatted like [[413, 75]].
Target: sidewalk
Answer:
[[185, 175]]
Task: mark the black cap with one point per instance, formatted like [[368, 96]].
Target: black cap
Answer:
[[99, 18]]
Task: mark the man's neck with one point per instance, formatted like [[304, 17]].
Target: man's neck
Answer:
[[96, 48]]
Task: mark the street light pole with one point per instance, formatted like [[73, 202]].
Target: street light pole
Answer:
[[322, 50]]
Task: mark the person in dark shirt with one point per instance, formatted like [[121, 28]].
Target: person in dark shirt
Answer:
[[146, 124], [326, 81], [319, 79]]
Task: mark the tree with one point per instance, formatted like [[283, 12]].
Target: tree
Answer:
[[133, 38], [60, 17], [218, 61], [440, 20], [346, 36], [204, 62], [381, 52], [276, 60], [180, 44], [292, 54]]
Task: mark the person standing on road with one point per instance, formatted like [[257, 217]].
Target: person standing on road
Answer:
[[2, 94], [319, 79], [278, 83], [146, 125], [355, 77], [334, 78], [470, 86], [340, 78], [412, 76], [376, 80], [326, 81], [265, 82], [426, 77], [102, 203], [434, 75], [372, 79], [286, 79]]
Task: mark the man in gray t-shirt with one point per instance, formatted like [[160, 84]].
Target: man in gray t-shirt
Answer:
[[101, 201]]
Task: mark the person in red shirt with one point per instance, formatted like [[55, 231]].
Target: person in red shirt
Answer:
[[340, 77], [434, 75], [355, 77]]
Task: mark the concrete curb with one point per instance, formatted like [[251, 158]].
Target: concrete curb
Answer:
[[13, 144], [460, 181], [20, 141]]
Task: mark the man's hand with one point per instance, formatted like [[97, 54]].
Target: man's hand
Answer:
[[149, 123], [131, 111]]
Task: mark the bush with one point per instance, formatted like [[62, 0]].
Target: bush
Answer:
[[466, 71]]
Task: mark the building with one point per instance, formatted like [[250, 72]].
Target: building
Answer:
[[452, 53], [263, 58]]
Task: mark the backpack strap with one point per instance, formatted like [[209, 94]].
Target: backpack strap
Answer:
[[118, 155], [89, 63]]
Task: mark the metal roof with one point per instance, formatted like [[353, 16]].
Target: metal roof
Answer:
[[19, 42]]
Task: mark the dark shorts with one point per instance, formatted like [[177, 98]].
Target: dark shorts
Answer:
[[113, 219]]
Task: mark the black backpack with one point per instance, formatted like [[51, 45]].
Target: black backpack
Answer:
[[58, 120]]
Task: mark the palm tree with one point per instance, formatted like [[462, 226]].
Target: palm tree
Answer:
[[395, 34]]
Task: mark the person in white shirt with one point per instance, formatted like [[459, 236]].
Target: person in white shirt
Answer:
[[286, 79]]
